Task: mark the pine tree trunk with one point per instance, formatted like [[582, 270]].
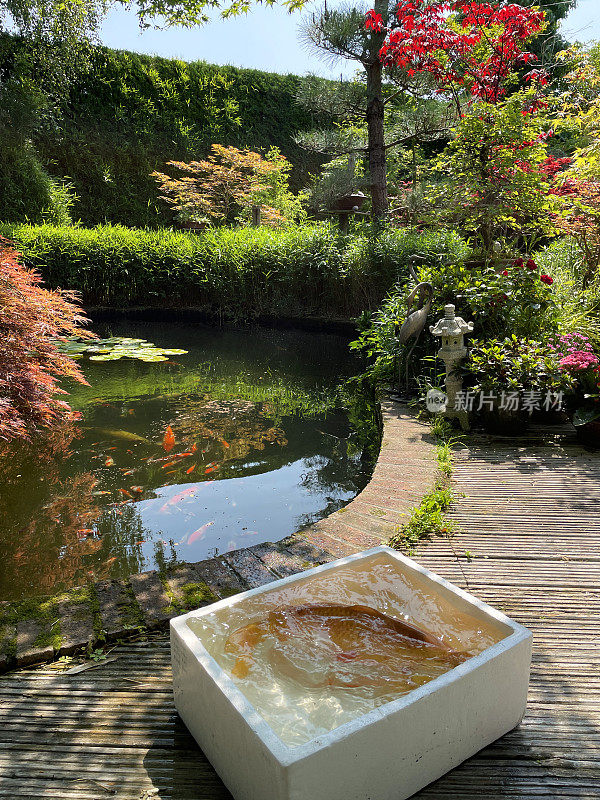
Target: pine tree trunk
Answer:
[[375, 109]]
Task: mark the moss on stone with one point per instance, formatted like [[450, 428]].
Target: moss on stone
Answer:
[[131, 613]]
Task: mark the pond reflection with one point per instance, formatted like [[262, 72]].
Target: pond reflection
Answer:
[[264, 443]]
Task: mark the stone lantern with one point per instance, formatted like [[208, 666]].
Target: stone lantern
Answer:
[[452, 329]]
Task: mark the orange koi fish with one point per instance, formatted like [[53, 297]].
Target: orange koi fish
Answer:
[[349, 646], [191, 469], [110, 462], [168, 440], [126, 493]]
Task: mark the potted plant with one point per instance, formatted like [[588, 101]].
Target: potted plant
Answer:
[[577, 359], [511, 379]]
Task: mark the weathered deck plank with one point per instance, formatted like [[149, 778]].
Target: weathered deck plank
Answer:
[[530, 522]]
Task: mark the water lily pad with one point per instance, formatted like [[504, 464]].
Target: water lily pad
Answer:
[[116, 347], [107, 357]]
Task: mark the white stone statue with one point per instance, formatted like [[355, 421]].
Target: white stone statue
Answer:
[[452, 330]]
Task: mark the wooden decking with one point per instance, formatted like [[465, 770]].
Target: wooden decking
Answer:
[[529, 543]]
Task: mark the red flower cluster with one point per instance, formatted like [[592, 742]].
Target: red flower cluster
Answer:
[[530, 264], [423, 41]]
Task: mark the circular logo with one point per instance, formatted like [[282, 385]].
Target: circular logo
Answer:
[[436, 401]]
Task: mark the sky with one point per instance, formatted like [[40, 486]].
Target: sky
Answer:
[[267, 39]]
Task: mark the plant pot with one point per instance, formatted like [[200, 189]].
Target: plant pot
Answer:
[[504, 423], [551, 417], [348, 202], [589, 434]]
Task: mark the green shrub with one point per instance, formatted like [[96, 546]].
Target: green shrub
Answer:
[[576, 307], [125, 115], [514, 365], [25, 187], [295, 271]]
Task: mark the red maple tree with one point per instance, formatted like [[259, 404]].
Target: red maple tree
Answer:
[[474, 46], [32, 321]]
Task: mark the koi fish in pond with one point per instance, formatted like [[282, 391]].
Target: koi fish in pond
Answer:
[[110, 462], [200, 532], [189, 491], [168, 440]]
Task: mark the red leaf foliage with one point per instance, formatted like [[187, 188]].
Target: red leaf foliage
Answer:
[[32, 319], [461, 43]]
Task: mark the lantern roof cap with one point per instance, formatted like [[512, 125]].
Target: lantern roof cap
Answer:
[[450, 324]]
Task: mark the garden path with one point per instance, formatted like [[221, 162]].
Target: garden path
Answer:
[[528, 543]]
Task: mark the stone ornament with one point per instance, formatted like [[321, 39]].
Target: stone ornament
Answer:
[[452, 330]]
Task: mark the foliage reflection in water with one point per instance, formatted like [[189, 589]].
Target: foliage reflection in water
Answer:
[[265, 442]]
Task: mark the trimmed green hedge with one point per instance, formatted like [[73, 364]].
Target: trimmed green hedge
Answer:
[[128, 114], [307, 270]]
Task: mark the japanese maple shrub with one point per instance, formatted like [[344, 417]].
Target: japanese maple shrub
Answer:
[[32, 319], [488, 178], [223, 188]]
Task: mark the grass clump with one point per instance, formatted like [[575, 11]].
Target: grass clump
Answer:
[[429, 518]]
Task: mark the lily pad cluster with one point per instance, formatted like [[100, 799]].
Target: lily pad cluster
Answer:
[[115, 348]]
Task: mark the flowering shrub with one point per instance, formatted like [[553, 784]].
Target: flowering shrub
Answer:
[[515, 300], [31, 319], [577, 359], [571, 343]]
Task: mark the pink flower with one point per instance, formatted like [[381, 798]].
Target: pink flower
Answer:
[[578, 361]]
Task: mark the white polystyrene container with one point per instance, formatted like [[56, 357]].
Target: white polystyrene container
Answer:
[[388, 753]]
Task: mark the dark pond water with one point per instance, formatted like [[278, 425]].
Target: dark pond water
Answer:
[[265, 443]]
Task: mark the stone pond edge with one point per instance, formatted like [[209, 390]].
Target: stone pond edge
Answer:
[[109, 610]]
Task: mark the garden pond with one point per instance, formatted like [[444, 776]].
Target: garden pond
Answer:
[[246, 438]]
